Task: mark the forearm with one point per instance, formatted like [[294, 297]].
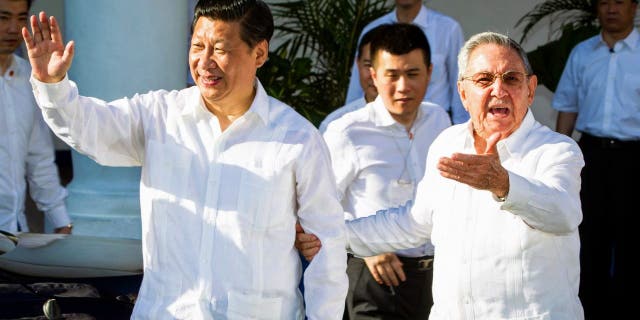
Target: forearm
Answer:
[[550, 205], [387, 231], [566, 122], [106, 132]]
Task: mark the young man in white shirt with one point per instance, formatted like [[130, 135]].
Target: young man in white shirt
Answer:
[[378, 154], [26, 147], [226, 173], [445, 38]]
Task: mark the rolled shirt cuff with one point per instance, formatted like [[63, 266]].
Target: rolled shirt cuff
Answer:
[[58, 217]]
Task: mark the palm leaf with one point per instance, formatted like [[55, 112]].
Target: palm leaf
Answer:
[[573, 13], [325, 32]]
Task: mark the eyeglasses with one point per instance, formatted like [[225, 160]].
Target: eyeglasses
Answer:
[[509, 78]]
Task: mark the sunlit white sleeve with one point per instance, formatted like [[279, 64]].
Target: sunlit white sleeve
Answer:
[[320, 213], [110, 133]]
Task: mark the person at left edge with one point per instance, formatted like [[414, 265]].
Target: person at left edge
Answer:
[[226, 173], [26, 148]]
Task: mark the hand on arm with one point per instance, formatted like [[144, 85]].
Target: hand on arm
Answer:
[[63, 230], [50, 59], [386, 269], [480, 171], [308, 244]]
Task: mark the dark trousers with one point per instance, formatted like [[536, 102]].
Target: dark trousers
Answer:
[[368, 300], [610, 216]]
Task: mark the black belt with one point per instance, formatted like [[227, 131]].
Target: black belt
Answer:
[[607, 143], [416, 263]]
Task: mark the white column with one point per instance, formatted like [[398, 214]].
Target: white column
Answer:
[[123, 47]]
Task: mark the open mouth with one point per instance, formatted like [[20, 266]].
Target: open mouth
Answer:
[[210, 80], [499, 111]]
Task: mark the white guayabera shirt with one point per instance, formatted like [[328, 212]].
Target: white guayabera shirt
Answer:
[[377, 163], [517, 259], [218, 208]]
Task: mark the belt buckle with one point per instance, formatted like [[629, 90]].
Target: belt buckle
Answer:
[[425, 264]]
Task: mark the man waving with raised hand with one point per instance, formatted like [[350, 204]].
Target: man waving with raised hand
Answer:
[[217, 243]]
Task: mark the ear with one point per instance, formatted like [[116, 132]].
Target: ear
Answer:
[[374, 75], [261, 52], [463, 95], [532, 84]]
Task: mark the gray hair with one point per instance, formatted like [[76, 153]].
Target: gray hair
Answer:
[[489, 38]]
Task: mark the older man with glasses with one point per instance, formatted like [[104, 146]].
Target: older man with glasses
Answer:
[[499, 200]]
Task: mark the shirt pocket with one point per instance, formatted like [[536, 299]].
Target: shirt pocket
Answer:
[[260, 197], [169, 168], [630, 94], [242, 306]]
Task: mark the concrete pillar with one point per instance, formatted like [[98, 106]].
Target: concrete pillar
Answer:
[[123, 47]]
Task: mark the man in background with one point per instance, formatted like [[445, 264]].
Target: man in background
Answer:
[[599, 96], [26, 148], [445, 38], [363, 60], [378, 154]]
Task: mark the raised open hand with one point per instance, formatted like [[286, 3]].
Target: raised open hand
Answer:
[[50, 59], [480, 171]]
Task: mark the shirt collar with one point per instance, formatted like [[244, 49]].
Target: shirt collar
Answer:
[[512, 143], [260, 106], [420, 19], [14, 70], [631, 41], [382, 117]]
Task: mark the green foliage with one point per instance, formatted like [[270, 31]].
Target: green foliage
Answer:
[[572, 15], [310, 69], [574, 20], [548, 60]]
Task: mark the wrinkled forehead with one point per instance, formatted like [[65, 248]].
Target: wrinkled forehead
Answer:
[[494, 58]]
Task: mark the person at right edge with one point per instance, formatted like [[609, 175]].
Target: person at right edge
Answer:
[[599, 96]]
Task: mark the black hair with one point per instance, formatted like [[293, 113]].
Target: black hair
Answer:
[[399, 39], [366, 39], [254, 16], [594, 5]]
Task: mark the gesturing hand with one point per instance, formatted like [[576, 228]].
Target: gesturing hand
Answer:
[[49, 57], [480, 171]]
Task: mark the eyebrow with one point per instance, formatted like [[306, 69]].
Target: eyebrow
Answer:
[[9, 13], [413, 69]]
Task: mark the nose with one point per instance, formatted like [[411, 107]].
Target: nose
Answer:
[[15, 25], [402, 85], [498, 89], [207, 59]]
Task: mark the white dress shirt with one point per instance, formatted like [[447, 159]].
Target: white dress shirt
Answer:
[[603, 87], [517, 259], [26, 154], [377, 163], [445, 40], [351, 106], [218, 208]]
